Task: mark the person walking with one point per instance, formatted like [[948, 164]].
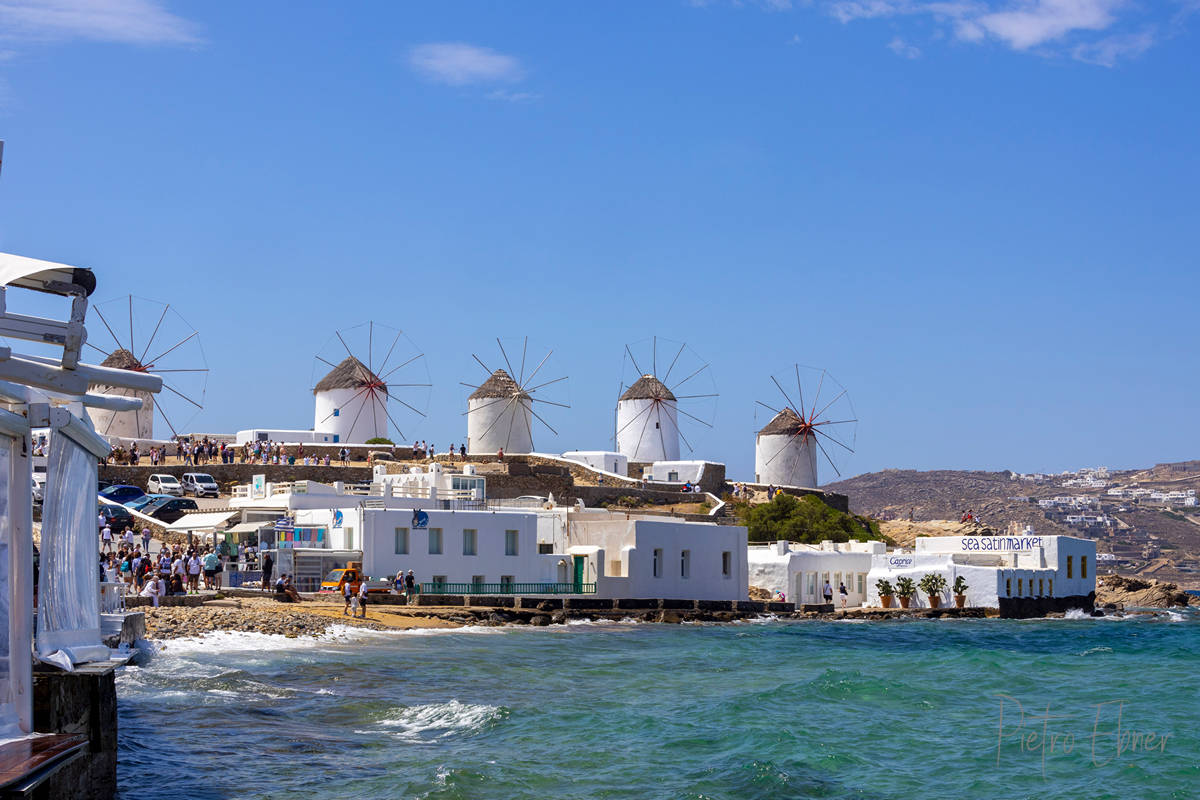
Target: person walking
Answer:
[[410, 583], [347, 594], [268, 566], [362, 598], [106, 538], [146, 538], [842, 591], [194, 567], [828, 592]]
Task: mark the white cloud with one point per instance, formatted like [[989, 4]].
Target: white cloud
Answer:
[[1040, 21], [1110, 50], [458, 64], [904, 49], [125, 21], [1082, 29]]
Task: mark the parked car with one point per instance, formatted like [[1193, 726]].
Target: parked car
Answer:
[[145, 500], [121, 493], [103, 484], [118, 517], [200, 484], [164, 484], [39, 488], [169, 509]]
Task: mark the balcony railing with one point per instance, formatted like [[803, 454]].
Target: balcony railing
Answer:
[[508, 588]]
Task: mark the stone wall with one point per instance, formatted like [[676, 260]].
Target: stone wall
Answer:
[[79, 702], [228, 475]]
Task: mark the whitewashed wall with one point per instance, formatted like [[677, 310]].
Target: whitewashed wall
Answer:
[[495, 424], [360, 416], [646, 433], [795, 464]]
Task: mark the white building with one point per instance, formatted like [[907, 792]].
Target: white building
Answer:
[[351, 403], [285, 436], [450, 538], [647, 422], [800, 571], [603, 460], [785, 452], [499, 417], [675, 471], [996, 568]]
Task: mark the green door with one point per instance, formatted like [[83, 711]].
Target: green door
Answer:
[[579, 564]]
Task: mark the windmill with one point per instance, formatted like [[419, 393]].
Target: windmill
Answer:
[[651, 402], [500, 410], [157, 341], [786, 448], [378, 379]]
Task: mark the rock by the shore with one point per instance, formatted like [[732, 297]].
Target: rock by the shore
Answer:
[[1125, 592], [177, 622]]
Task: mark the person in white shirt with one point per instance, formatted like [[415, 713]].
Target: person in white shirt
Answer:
[[127, 537], [153, 589], [106, 536], [194, 574], [362, 598]]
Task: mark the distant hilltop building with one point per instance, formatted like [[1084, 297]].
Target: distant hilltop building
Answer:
[[647, 422], [350, 403], [499, 417]]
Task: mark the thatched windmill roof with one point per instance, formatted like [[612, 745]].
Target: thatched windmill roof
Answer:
[[648, 387], [786, 423], [350, 374], [500, 384], [121, 359]]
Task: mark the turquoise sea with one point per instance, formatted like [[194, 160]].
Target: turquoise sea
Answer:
[[767, 709]]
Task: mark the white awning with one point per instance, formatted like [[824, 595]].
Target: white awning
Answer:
[[249, 527], [44, 276], [201, 522]]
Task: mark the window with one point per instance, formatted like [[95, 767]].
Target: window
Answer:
[[506, 581], [510, 543], [469, 542], [614, 569], [1050, 584], [1041, 587], [401, 541], [862, 583], [435, 541], [727, 564], [658, 563], [812, 585], [685, 564], [1020, 586], [545, 548], [349, 538], [1008, 587], [1083, 567], [439, 579], [337, 412], [477, 580], [1070, 567]]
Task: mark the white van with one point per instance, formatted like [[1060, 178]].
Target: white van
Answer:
[[164, 484], [200, 484]]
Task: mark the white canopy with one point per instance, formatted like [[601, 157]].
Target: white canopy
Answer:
[[205, 521], [44, 276]]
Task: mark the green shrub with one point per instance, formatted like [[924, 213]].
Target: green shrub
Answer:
[[379, 440], [884, 587], [933, 584], [803, 519], [960, 585], [905, 587]]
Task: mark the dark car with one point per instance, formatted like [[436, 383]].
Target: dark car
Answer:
[[170, 509], [140, 503], [121, 493], [118, 517]]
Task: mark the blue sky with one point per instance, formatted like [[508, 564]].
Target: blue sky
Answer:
[[979, 216]]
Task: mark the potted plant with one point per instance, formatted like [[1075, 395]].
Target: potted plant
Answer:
[[933, 584], [905, 589], [960, 592], [886, 592]]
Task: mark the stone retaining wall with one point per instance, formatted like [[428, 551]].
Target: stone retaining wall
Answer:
[[229, 475]]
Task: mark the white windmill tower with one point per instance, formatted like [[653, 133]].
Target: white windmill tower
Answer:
[[649, 408], [787, 447], [357, 400], [181, 365], [500, 411]]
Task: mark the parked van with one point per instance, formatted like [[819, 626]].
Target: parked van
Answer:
[[200, 484], [164, 484]]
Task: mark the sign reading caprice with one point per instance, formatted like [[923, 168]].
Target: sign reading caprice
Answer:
[[975, 544], [900, 562]]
